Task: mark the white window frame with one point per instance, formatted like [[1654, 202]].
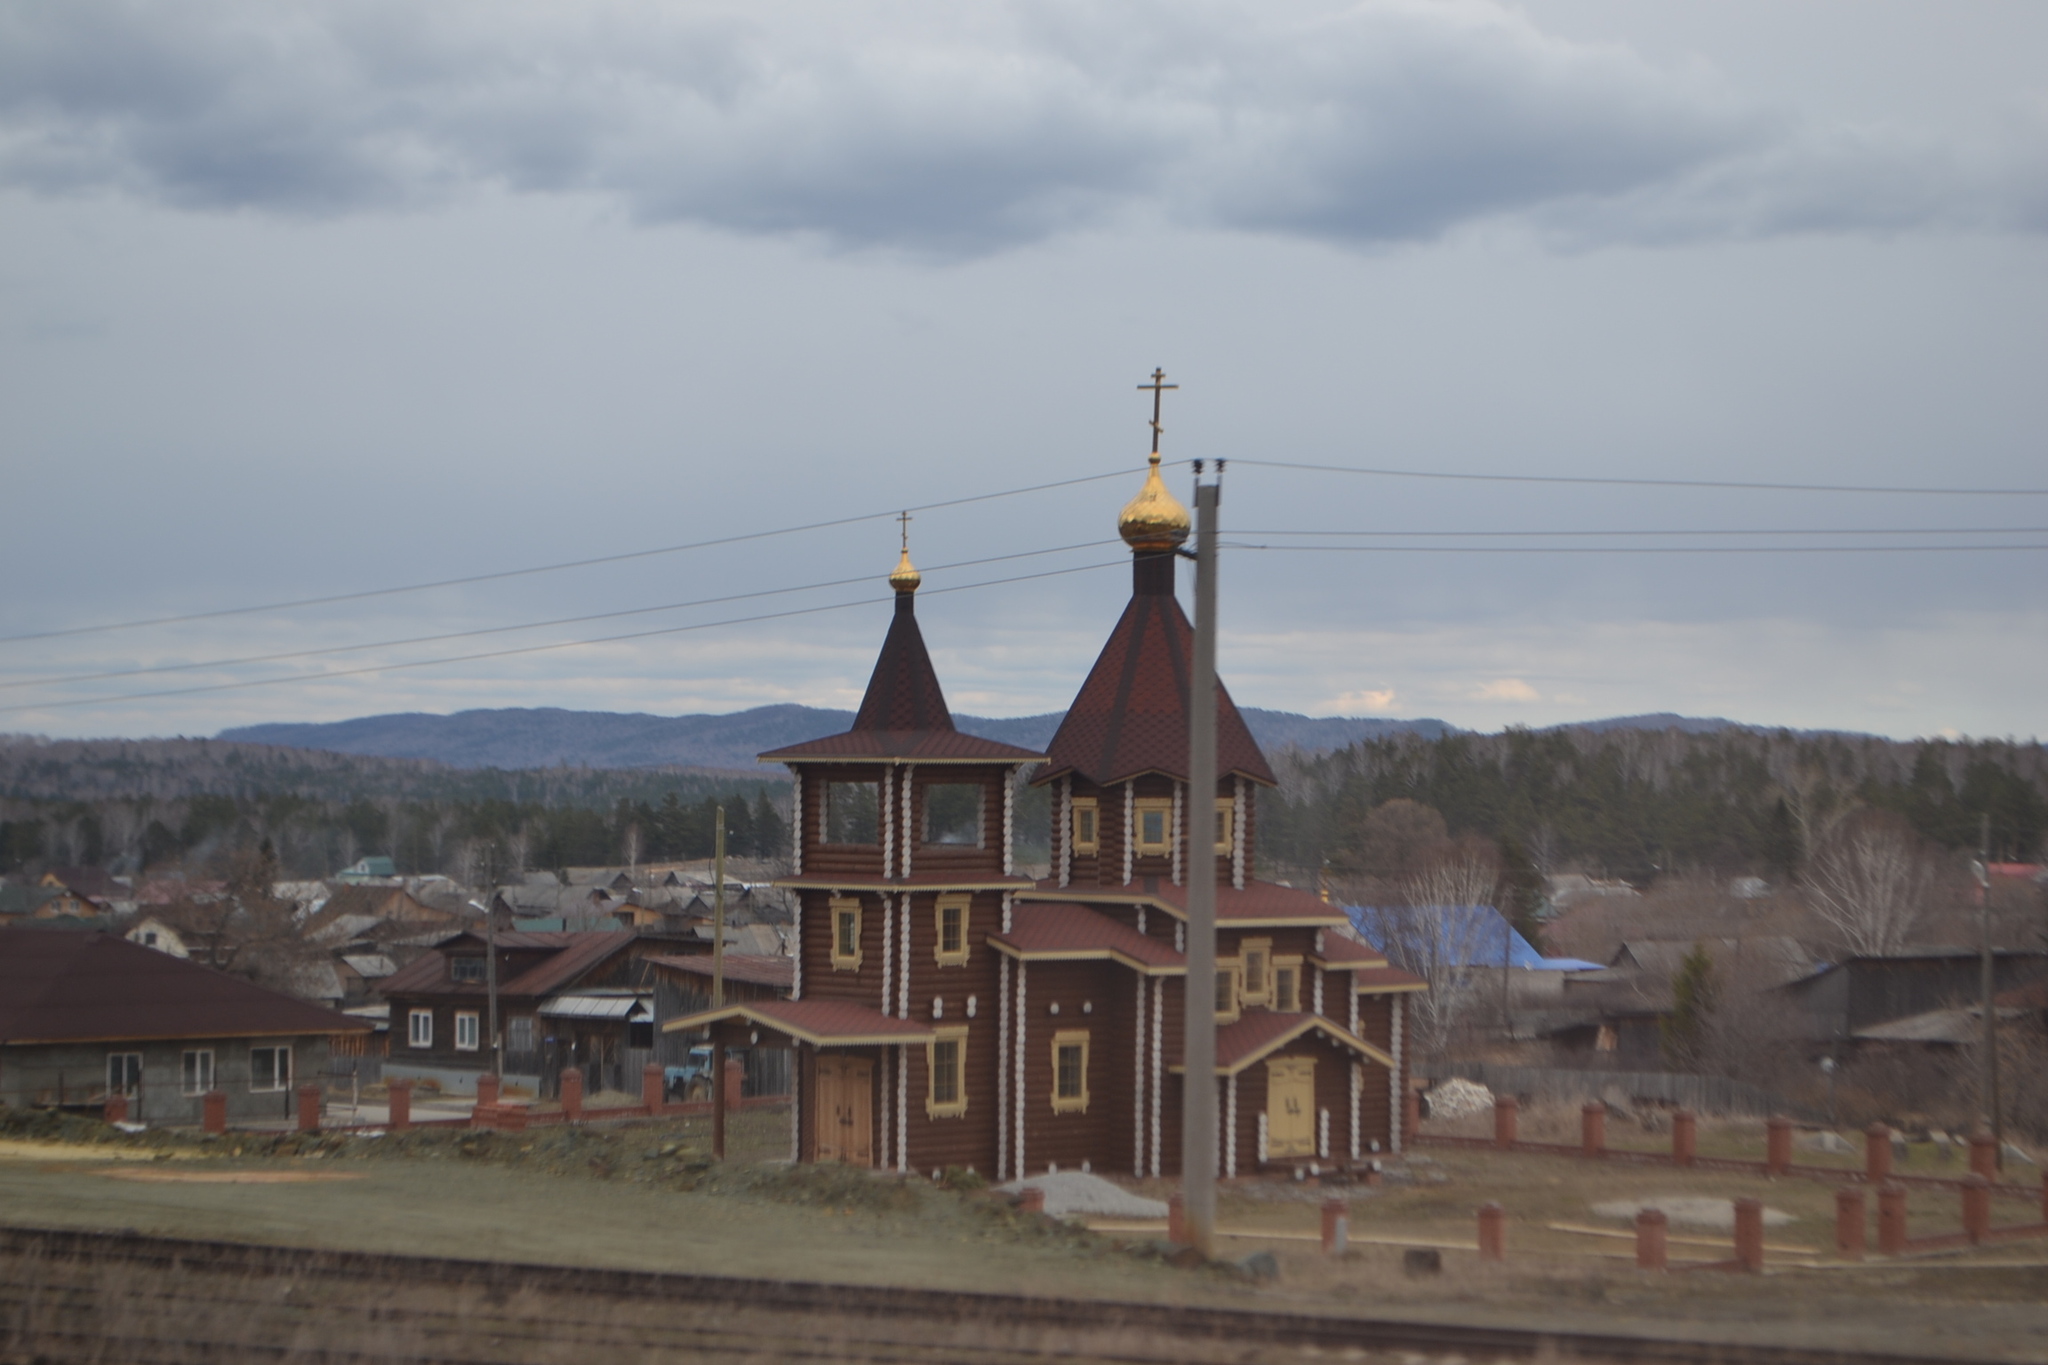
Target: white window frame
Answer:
[[468, 1024], [281, 1052], [126, 1086], [419, 1028], [196, 1072]]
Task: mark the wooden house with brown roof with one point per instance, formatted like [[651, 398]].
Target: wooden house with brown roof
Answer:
[[948, 1011]]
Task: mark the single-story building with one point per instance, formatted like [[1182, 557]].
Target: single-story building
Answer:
[[85, 1014]]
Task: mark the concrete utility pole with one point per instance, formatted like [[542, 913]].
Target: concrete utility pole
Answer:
[[486, 864], [718, 912], [1198, 1094], [1994, 1121]]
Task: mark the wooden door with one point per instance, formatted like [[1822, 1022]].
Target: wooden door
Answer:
[[1291, 1106], [845, 1110]]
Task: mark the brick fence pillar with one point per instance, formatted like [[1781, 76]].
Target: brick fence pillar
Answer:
[[1336, 1227], [1984, 1155], [735, 1082], [1176, 1219], [1891, 1219], [213, 1105], [1749, 1234], [115, 1110], [1506, 1118], [572, 1095], [1652, 1234], [1976, 1206], [1493, 1232], [1850, 1223], [309, 1108], [1877, 1154], [1593, 1129], [1411, 1113], [487, 1090], [1778, 1145], [650, 1088], [1031, 1199], [398, 1095], [1685, 1137]]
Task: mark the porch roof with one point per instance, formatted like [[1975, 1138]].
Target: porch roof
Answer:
[[1261, 1033], [821, 1023]]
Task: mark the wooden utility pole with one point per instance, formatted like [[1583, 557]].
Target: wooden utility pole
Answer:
[[718, 912], [1994, 1121], [1198, 1094]]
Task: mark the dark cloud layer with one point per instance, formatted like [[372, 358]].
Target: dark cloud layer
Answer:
[[951, 128]]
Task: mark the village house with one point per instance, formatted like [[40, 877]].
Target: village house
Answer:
[[582, 999], [85, 1014], [948, 1010]]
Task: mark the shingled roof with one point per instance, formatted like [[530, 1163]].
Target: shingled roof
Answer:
[[903, 718], [1131, 715], [68, 986]]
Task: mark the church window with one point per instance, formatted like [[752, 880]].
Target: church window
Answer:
[[951, 950], [1070, 1071], [1155, 825], [853, 813], [1226, 817], [946, 1068], [1287, 986], [845, 934], [1087, 829], [1227, 991], [952, 814], [1256, 955]]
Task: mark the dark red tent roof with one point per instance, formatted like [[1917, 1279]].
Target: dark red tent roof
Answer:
[[904, 714], [62, 985], [1131, 715]]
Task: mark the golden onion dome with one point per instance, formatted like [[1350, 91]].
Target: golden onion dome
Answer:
[[1155, 519], [905, 578]]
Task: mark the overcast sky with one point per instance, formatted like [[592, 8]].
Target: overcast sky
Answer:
[[305, 300]]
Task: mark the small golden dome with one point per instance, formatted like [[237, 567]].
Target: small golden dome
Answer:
[[1155, 519], [906, 577]]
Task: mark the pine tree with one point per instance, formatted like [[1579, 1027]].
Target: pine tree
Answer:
[[771, 834], [1693, 997]]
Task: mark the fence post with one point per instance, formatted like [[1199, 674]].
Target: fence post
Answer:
[[398, 1094], [1684, 1137], [1506, 1113], [1031, 1199], [572, 1095], [1976, 1206], [213, 1105], [1749, 1234], [309, 1108], [1651, 1235], [1593, 1129], [486, 1091], [735, 1082], [1777, 1145], [1891, 1219], [1984, 1155], [116, 1109], [1850, 1223], [1176, 1219], [1336, 1227], [1493, 1221], [1411, 1113], [1877, 1154], [650, 1088]]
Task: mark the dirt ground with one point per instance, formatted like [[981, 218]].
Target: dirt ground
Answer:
[[646, 1196]]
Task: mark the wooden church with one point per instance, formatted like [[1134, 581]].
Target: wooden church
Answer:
[[948, 1011]]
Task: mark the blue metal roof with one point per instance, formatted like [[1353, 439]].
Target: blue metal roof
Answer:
[[1483, 929]]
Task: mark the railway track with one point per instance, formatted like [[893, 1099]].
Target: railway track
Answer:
[[103, 1297]]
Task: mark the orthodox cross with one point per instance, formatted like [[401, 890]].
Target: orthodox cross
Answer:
[[904, 519], [1158, 387]]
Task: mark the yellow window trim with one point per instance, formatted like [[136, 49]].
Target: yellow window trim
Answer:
[[1290, 963], [1069, 1104], [841, 961], [1163, 805], [1226, 829], [965, 905], [1262, 948], [1228, 969], [957, 1106], [1093, 808]]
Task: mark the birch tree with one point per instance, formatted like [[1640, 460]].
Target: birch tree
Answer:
[[1869, 882]]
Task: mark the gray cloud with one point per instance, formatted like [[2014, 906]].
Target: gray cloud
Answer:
[[955, 129]]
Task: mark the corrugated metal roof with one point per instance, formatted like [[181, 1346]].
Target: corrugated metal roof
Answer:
[[599, 1007], [64, 985], [754, 968]]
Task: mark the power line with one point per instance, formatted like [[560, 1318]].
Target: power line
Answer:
[[527, 625], [538, 649], [552, 568], [1643, 483], [1740, 531]]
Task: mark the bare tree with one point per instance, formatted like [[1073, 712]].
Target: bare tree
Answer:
[[1446, 927], [1869, 882]]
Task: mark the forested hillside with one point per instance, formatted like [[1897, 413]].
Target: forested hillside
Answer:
[[1634, 803]]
